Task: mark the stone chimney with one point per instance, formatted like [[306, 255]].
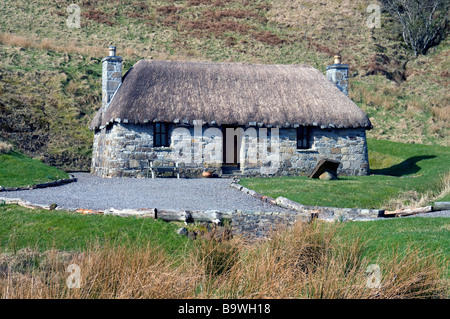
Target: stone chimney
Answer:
[[111, 76], [338, 74]]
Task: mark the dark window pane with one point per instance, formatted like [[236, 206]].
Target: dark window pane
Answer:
[[302, 138], [160, 135]]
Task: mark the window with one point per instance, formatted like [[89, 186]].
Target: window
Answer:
[[303, 138], [160, 136]]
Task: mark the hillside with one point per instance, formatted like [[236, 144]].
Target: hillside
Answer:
[[18, 170], [50, 74]]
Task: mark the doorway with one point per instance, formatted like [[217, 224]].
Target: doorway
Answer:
[[231, 148]]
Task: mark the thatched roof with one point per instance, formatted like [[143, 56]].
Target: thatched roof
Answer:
[[230, 93]]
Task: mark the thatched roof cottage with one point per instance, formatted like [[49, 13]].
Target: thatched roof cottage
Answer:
[[227, 118]]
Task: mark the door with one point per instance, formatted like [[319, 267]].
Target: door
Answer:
[[231, 146]]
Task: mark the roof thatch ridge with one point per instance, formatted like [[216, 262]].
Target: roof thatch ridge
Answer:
[[230, 93]]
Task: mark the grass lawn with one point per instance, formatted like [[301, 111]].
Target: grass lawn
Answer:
[[17, 170], [42, 230], [396, 169], [412, 253], [388, 235]]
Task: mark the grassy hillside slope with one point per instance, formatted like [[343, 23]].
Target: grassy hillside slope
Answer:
[[18, 170], [50, 73]]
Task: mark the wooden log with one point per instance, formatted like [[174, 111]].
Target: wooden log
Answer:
[[172, 215], [34, 206], [441, 206], [89, 211], [143, 212], [408, 211], [289, 204], [8, 200], [237, 186], [206, 216]]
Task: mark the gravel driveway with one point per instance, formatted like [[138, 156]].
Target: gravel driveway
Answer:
[[94, 192]]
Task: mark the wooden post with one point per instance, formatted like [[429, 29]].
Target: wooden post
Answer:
[[173, 215], [408, 211]]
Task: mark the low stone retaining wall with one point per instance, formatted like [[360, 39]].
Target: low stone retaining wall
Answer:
[[42, 185], [330, 213], [325, 213], [258, 225]]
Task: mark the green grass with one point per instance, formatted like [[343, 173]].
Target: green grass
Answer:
[[17, 170], [42, 230], [390, 235], [396, 237], [396, 168]]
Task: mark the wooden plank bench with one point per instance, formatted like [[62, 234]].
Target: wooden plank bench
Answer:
[[163, 167]]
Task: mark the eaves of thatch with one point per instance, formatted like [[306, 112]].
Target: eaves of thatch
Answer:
[[230, 93]]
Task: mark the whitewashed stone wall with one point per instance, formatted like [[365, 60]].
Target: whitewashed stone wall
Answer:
[[125, 149]]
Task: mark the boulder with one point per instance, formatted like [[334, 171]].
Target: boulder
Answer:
[[182, 231], [327, 176]]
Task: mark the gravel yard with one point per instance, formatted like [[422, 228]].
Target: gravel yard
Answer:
[[94, 192]]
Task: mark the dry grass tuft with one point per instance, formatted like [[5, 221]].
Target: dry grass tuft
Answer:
[[49, 45], [15, 40], [114, 271], [442, 113], [5, 147], [412, 199], [304, 261]]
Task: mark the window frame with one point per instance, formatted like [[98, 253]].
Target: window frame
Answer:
[[303, 137], [161, 134]]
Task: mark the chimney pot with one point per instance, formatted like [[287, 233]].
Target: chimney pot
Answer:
[[337, 59], [112, 51]]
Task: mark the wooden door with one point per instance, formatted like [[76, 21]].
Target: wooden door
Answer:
[[231, 153]]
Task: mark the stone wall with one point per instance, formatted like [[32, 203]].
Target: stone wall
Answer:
[[338, 75], [111, 78], [348, 146], [259, 225], [124, 150]]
